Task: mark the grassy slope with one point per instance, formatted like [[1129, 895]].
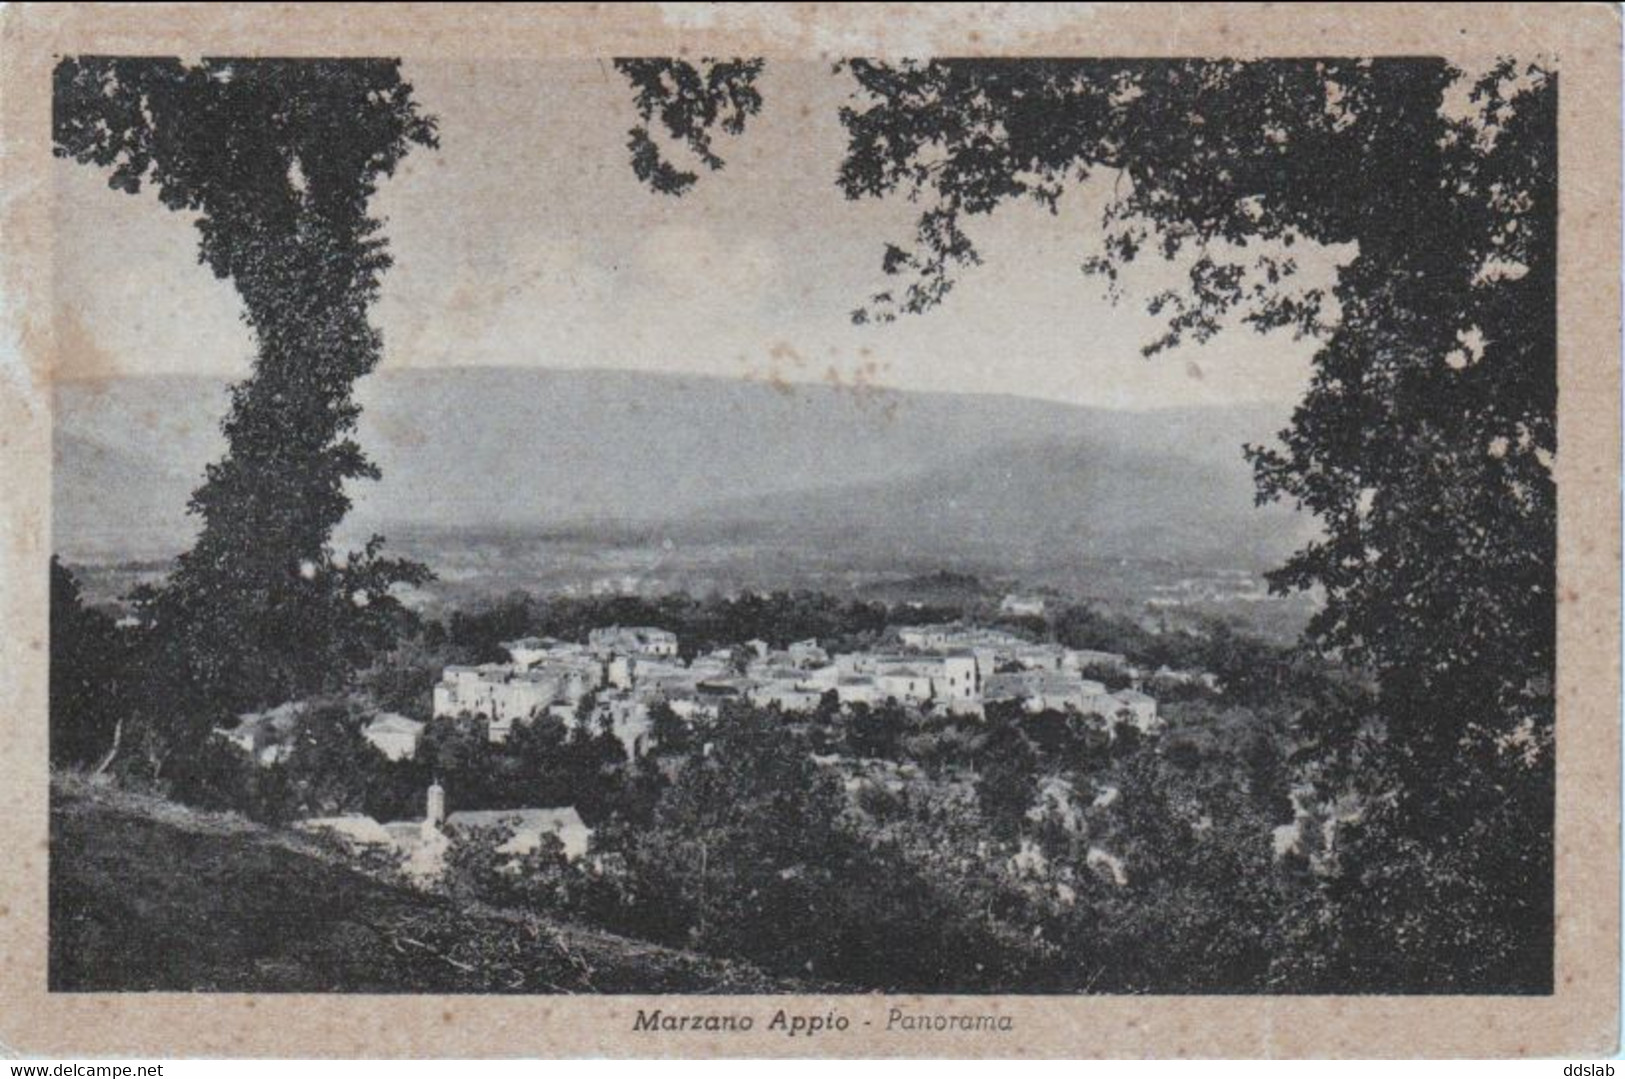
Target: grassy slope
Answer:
[[148, 895]]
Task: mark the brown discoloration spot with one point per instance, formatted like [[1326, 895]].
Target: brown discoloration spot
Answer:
[[79, 356], [784, 351]]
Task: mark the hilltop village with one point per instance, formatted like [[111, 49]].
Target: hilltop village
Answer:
[[618, 676], [621, 677], [621, 673]]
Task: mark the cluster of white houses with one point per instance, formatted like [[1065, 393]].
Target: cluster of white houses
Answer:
[[621, 673]]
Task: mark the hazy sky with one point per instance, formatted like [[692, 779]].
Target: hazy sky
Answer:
[[526, 240]]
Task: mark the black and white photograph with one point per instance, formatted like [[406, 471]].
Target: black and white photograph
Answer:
[[729, 524]]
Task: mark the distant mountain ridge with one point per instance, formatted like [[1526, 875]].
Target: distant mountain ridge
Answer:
[[521, 448]]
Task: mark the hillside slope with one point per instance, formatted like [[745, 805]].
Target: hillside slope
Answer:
[[149, 895], [1031, 503]]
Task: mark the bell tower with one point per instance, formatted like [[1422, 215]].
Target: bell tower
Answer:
[[435, 810]]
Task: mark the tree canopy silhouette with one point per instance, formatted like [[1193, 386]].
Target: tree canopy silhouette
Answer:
[[688, 100], [276, 161]]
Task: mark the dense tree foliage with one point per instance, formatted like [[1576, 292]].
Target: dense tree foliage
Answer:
[[276, 162], [701, 625], [87, 663], [1067, 862]]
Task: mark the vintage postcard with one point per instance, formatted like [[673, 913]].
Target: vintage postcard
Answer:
[[994, 530]]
